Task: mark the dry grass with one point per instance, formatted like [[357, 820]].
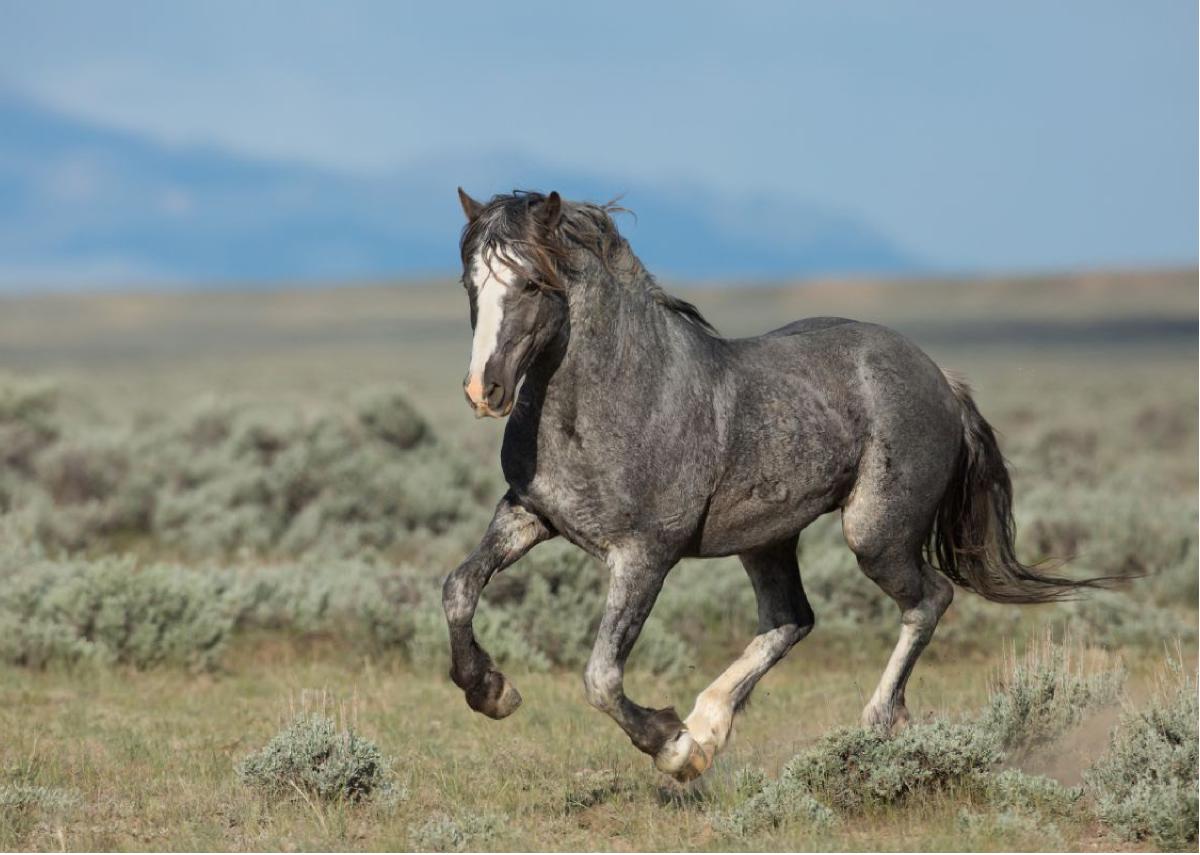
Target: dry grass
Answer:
[[150, 759], [1101, 427]]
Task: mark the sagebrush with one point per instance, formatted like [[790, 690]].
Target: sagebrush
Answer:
[[1146, 785], [312, 756]]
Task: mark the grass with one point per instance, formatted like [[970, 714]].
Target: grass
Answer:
[[151, 757], [164, 614]]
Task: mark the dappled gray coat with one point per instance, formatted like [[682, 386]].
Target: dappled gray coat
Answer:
[[643, 437]]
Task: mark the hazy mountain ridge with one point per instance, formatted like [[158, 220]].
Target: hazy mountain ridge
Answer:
[[84, 205]]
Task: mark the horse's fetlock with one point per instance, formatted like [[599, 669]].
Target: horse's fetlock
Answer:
[[659, 728]]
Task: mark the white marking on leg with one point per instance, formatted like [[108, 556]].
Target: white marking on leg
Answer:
[[881, 708], [682, 757], [492, 277], [711, 720]]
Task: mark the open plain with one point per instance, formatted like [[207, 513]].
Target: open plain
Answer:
[[220, 510]]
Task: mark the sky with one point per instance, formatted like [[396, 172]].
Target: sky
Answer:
[[978, 136]]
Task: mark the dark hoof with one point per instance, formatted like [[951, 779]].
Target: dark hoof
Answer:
[[494, 696], [655, 730]]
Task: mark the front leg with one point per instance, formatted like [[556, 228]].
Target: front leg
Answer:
[[635, 583], [784, 617], [513, 531]]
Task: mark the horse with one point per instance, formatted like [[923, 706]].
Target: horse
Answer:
[[640, 435]]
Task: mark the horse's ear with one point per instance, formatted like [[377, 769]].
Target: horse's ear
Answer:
[[470, 207], [551, 211]]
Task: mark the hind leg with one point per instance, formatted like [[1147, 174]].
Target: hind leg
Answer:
[[889, 553], [784, 617], [923, 596]]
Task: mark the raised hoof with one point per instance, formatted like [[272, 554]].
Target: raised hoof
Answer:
[[683, 758], [494, 696]]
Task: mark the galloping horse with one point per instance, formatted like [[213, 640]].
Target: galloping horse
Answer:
[[643, 437]]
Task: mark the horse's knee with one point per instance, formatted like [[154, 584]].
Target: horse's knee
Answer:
[[602, 683], [457, 601]]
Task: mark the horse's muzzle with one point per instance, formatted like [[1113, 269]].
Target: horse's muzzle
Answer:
[[482, 410], [491, 404]]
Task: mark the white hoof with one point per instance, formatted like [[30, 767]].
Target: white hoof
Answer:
[[683, 758]]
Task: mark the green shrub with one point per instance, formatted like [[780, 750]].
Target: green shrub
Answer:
[[338, 487], [853, 768], [849, 770], [1111, 528], [29, 421], [771, 805], [444, 833], [749, 781], [1119, 619], [30, 797], [1011, 789], [221, 477], [312, 756], [118, 611], [278, 480], [1006, 827], [25, 806], [109, 611], [1146, 785], [390, 416], [1145, 788], [1036, 698]]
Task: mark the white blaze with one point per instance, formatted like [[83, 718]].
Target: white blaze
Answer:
[[491, 283]]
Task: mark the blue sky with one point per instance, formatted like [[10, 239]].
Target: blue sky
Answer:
[[997, 136]]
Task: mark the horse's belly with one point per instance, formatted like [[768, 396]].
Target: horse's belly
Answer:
[[765, 512], [774, 488]]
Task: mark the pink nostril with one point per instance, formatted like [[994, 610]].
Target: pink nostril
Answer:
[[474, 389]]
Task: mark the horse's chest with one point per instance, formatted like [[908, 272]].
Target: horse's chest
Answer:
[[598, 495]]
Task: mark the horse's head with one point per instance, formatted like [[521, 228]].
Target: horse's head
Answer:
[[512, 267]]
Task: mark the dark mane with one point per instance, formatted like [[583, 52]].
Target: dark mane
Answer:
[[510, 221], [682, 307]]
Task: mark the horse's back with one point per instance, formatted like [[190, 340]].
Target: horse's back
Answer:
[[875, 378], [846, 353], [805, 325], [818, 403]]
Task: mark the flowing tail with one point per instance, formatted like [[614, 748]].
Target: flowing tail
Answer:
[[972, 538]]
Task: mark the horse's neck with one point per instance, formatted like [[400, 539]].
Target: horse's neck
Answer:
[[621, 340]]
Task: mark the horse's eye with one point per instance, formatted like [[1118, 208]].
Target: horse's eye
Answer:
[[529, 286]]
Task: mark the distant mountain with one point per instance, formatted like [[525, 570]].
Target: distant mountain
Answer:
[[82, 205]]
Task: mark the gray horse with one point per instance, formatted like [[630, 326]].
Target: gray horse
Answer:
[[643, 437]]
